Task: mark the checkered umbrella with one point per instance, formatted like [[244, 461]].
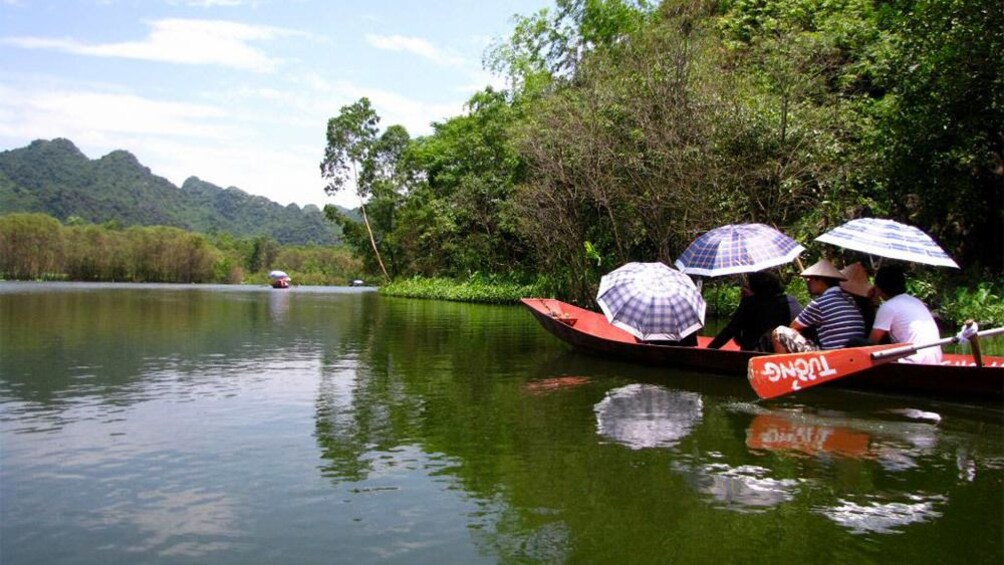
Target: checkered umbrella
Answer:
[[890, 239], [652, 301], [738, 248]]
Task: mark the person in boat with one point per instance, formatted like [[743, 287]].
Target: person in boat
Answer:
[[833, 315], [763, 307], [862, 291], [903, 318]]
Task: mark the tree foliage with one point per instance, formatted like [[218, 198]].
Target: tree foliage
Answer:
[[37, 246], [629, 128], [350, 159]]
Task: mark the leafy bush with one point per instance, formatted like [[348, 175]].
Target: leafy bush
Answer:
[[983, 304]]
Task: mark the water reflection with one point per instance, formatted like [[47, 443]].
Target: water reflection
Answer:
[[895, 444], [744, 488], [642, 415], [278, 305], [877, 516], [171, 523], [236, 427], [553, 384], [899, 440]]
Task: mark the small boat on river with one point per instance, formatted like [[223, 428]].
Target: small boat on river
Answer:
[[957, 378], [279, 279]]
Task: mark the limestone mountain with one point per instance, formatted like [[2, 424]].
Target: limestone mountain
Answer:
[[56, 178]]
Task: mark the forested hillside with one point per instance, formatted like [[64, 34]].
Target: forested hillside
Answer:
[[56, 178]]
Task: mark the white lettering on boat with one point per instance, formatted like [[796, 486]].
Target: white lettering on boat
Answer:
[[802, 369]]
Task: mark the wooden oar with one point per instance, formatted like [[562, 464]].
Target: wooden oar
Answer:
[[775, 375], [974, 344]]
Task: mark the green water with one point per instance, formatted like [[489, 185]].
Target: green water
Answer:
[[180, 424]]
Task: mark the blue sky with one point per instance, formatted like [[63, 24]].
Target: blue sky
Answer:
[[237, 92]]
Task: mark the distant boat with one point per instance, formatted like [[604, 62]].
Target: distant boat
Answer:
[[279, 279], [356, 282]]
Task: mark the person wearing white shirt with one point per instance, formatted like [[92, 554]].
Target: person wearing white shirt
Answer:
[[903, 318]]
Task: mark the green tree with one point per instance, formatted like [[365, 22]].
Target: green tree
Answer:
[[351, 138], [940, 126], [30, 246], [262, 254], [459, 221]]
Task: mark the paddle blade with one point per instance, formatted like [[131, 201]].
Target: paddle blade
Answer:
[[776, 375]]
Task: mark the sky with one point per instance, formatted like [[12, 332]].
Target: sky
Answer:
[[238, 92]]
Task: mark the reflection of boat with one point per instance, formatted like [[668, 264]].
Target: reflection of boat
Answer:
[[642, 415], [775, 432], [555, 383], [957, 377], [895, 444], [279, 279]]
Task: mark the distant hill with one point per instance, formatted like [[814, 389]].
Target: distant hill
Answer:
[[56, 178]]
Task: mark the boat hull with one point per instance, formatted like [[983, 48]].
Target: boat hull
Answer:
[[958, 378]]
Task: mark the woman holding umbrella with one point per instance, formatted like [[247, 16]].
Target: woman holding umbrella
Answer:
[[764, 306]]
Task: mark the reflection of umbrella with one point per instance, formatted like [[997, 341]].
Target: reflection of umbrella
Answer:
[[885, 517], [640, 415], [746, 488], [886, 238], [738, 248], [278, 275], [652, 301]]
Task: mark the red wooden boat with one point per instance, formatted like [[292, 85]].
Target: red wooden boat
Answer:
[[957, 378]]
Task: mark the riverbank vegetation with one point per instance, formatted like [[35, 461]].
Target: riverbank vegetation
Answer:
[[477, 288], [39, 247]]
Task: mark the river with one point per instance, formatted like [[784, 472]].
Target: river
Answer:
[[220, 424]]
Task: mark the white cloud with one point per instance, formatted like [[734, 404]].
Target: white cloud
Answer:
[[284, 175], [192, 42], [415, 45], [77, 113]]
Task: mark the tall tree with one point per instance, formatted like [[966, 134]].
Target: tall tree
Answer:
[[352, 135]]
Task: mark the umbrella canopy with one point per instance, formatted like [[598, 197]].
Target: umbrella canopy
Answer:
[[890, 239], [738, 248], [651, 301], [643, 415], [278, 275]]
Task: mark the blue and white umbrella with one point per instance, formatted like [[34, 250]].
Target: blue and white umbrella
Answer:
[[738, 248], [275, 275], [890, 239], [651, 301]]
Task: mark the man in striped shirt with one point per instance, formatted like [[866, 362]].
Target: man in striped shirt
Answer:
[[833, 315]]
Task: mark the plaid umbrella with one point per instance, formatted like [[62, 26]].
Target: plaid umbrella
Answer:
[[886, 238], [652, 301], [737, 248]]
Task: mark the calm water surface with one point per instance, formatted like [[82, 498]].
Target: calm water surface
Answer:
[[179, 424]]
